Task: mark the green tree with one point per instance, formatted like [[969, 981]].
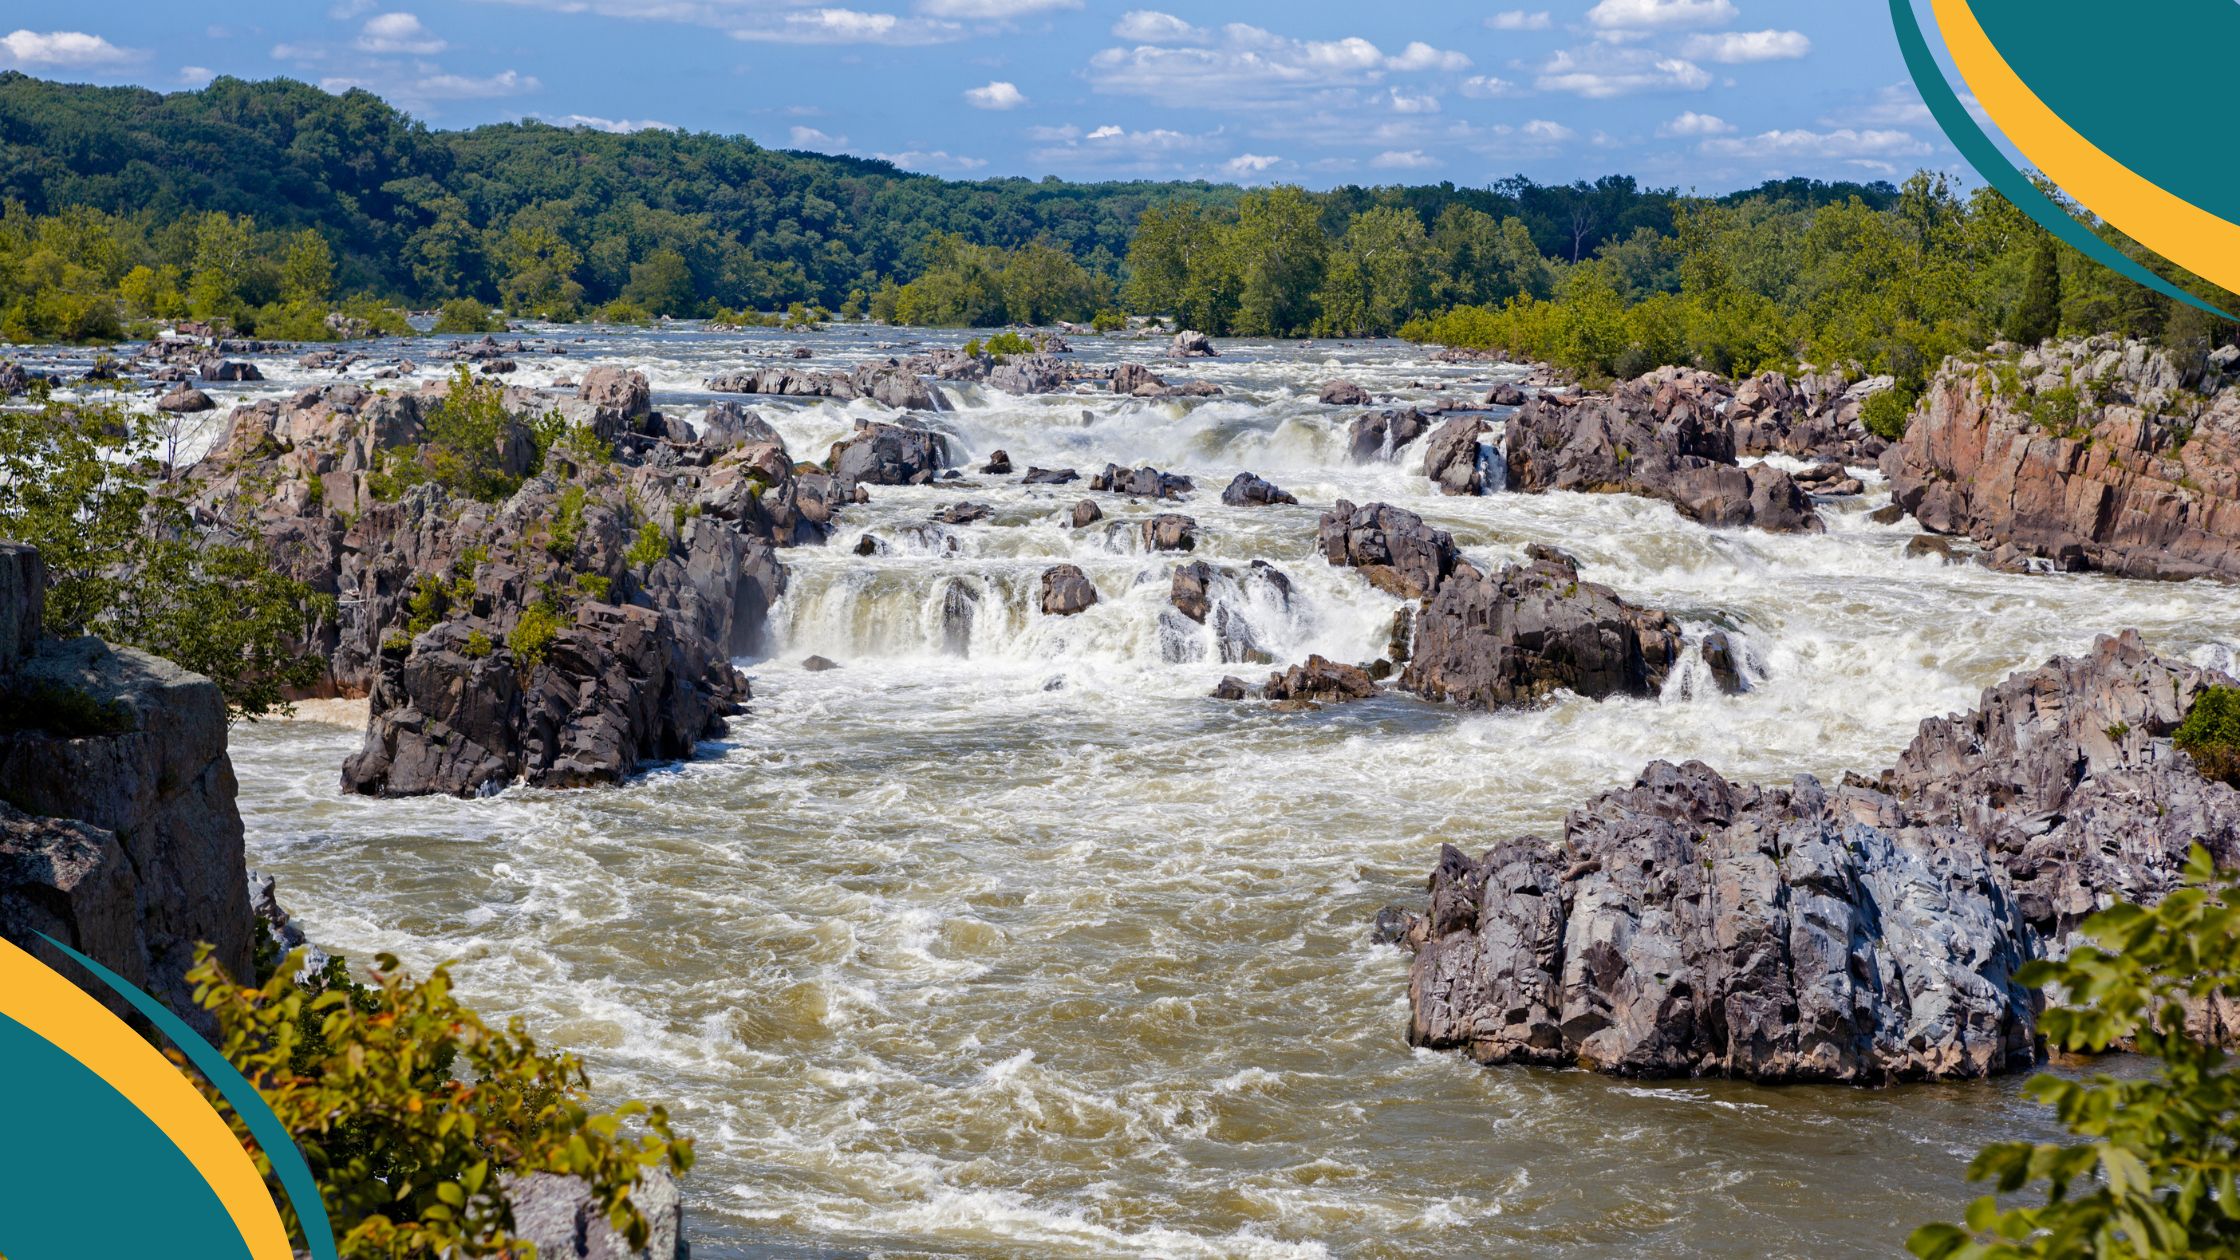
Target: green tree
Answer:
[[662, 284], [2037, 317], [1277, 249], [2158, 1172], [307, 270], [1378, 275], [537, 267], [125, 561], [223, 249]]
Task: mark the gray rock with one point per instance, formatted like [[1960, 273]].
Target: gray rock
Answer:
[[1392, 547], [1170, 531], [888, 455], [1380, 434], [1450, 458], [185, 400], [1344, 393], [560, 1215], [1086, 513], [1067, 591], [1194, 345], [1143, 483], [1318, 682], [1518, 636], [1246, 490]]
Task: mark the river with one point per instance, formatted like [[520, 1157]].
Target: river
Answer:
[[1039, 951]]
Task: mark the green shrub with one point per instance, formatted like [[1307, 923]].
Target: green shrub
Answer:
[[2156, 1174], [478, 645], [596, 585], [465, 430], [622, 311], [467, 317], [2211, 734], [650, 548], [2059, 411], [409, 1108], [532, 635], [1888, 414], [567, 524], [1108, 321]]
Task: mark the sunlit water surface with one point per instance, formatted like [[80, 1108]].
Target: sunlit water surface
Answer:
[[1038, 951]]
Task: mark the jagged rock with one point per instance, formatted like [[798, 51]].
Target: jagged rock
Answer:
[[1517, 636], [1663, 436], [1380, 434], [888, 455], [1194, 345], [963, 514], [1138, 380], [1246, 490], [1143, 483], [2096, 457], [72, 881], [960, 608], [1450, 458], [1231, 688], [1344, 393], [1086, 513], [1392, 547], [1031, 374], [1067, 591], [617, 389], [1815, 418], [1505, 394], [1317, 682], [1691, 926], [185, 400], [1049, 477], [562, 1217], [13, 379], [499, 367], [1170, 531], [998, 465], [727, 426], [1720, 658]]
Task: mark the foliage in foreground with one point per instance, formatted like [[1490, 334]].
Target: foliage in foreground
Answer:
[[2156, 1175], [2211, 733], [409, 1108], [85, 485]]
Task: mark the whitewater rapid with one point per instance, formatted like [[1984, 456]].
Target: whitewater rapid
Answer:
[[1018, 944]]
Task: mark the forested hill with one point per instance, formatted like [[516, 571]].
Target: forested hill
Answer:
[[422, 214]]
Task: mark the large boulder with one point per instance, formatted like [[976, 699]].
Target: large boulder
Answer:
[[1452, 457], [564, 1219], [1318, 682], [1144, 483], [1031, 374], [1067, 591], [185, 400], [1392, 547], [1193, 345], [1246, 490], [1664, 436], [1379, 435], [1867, 933], [1344, 393], [621, 390], [2086, 455], [1170, 531], [1520, 635], [888, 455]]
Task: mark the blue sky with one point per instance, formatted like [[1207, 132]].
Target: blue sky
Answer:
[[1703, 94]]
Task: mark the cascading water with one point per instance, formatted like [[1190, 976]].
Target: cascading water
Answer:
[[1004, 939]]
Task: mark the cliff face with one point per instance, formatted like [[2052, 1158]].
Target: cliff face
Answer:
[[118, 830], [2086, 455]]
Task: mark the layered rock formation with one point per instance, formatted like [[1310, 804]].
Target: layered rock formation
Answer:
[[118, 831], [1392, 547], [2086, 455], [1665, 436], [1518, 636], [567, 634], [1868, 933]]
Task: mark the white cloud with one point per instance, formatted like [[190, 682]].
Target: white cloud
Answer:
[[1520, 20], [1486, 87], [1737, 47], [1247, 165], [849, 26], [1404, 104], [1107, 132], [1145, 26], [1658, 14], [298, 52], [1542, 129], [1603, 72], [1117, 150], [344, 10], [391, 33], [1403, 160], [1897, 105], [196, 76], [1254, 68], [73, 49], [995, 9], [1692, 123], [811, 138], [437, 85], [1422, 56], [996, 95], [936, 160], [1842, 143], [619, 126]]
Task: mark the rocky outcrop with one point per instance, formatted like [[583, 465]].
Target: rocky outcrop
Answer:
[[566, 634], [1452, 458], [1318, 682], [1086, 513], [564, 1219], [1193, 345], [1869, 933], [1246, 490], [1664, 436], [118, 830], [893, 382], [1380, 434], [185, 400], [1392, 547], [1142, 483], [1518, 636], [2086, 455], [1067, 591], [1170, 531], [1344, 393], [1816, 417], [1031, 374]]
